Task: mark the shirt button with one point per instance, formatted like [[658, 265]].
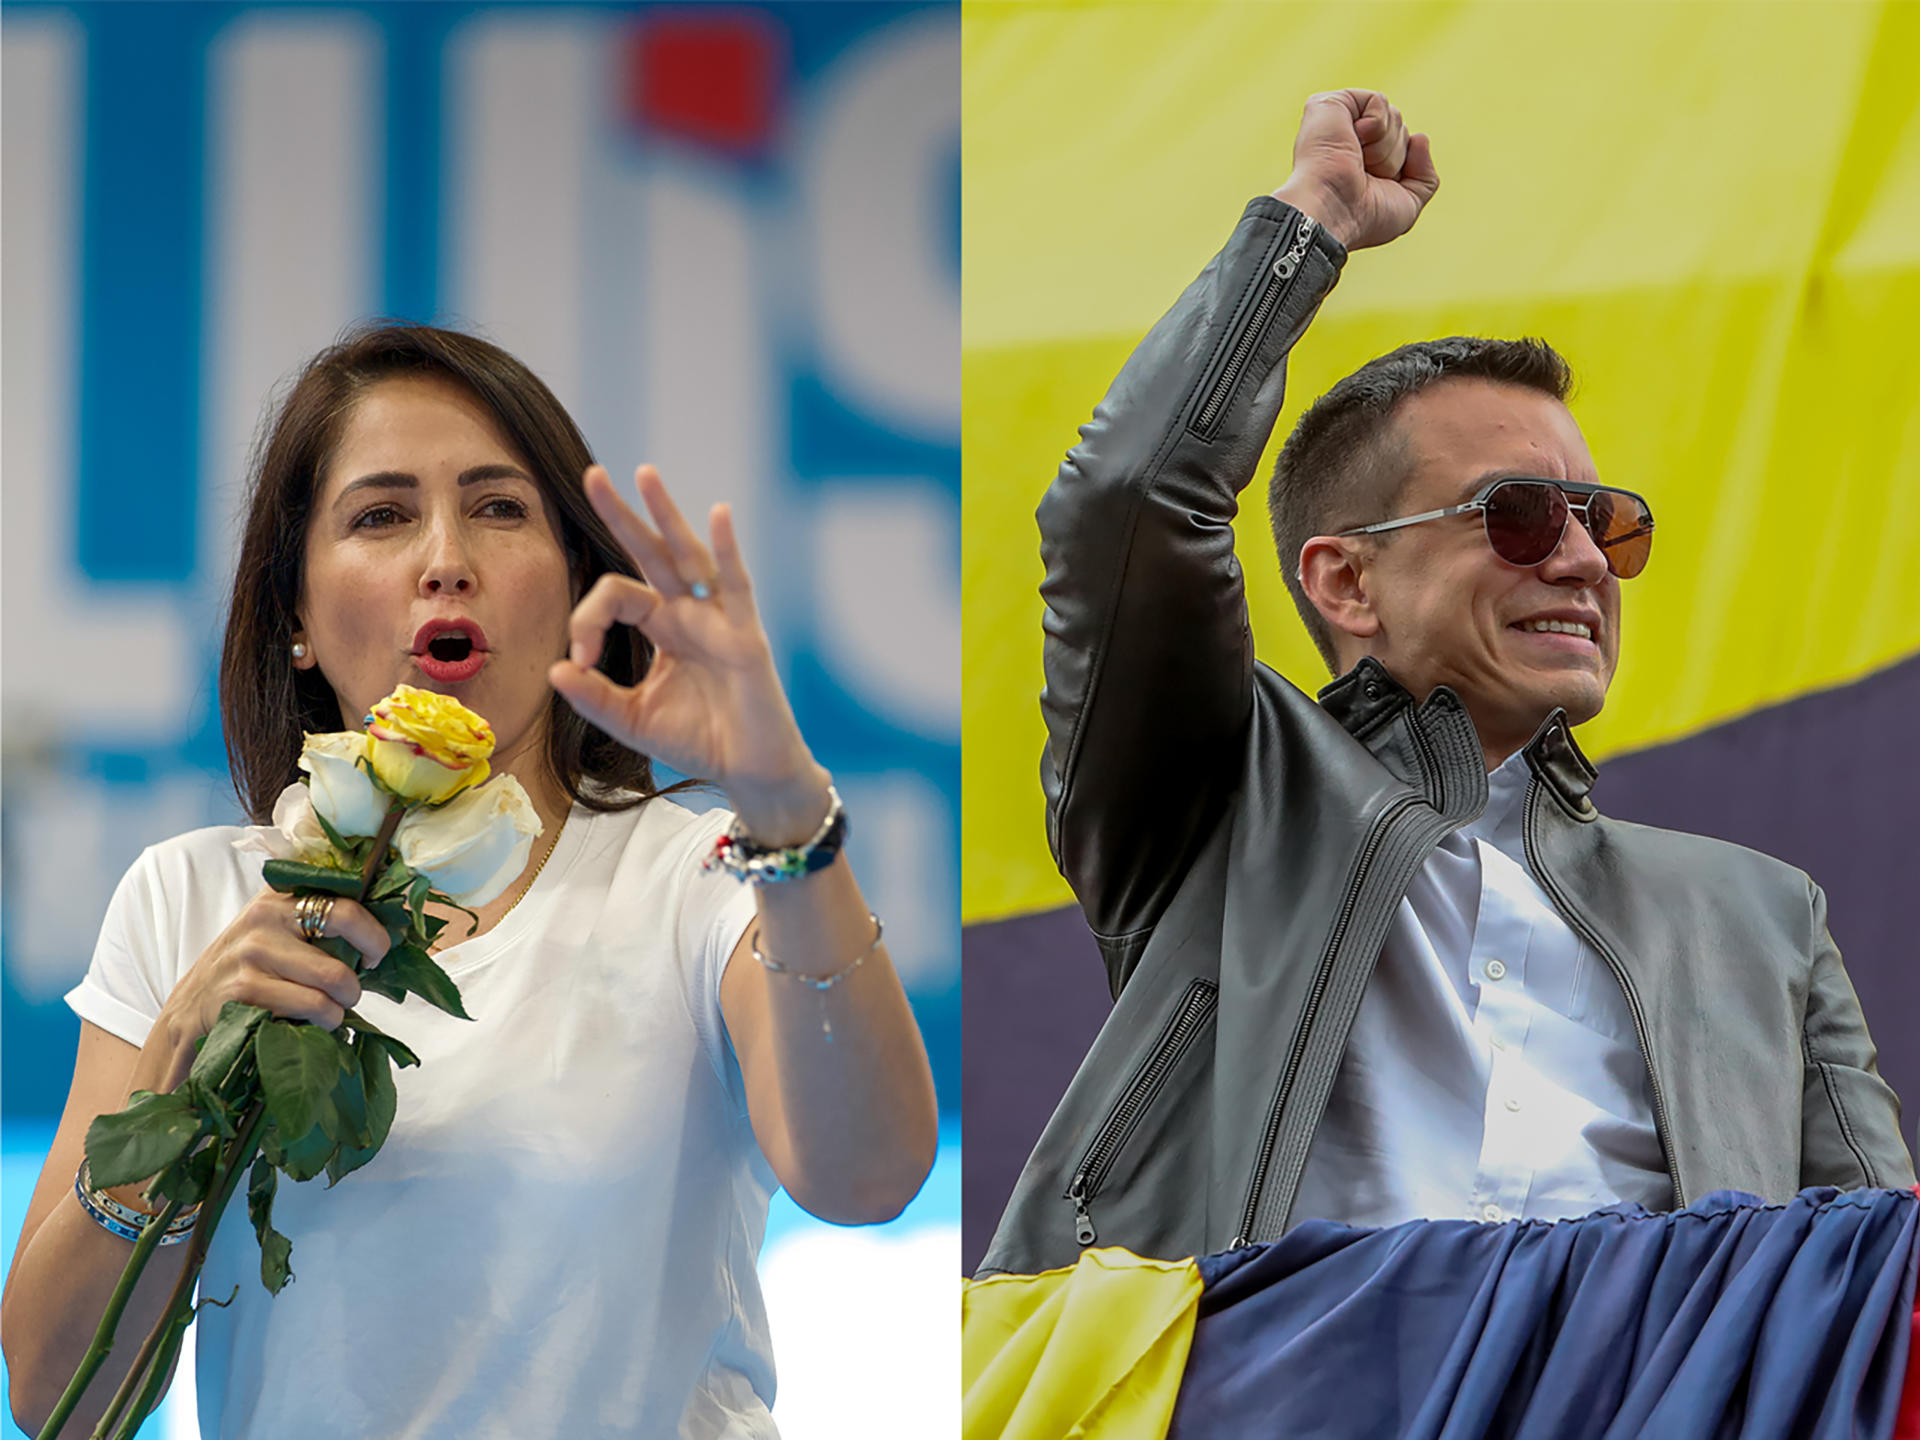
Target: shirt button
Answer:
[[1496, 970], [1492, 1214], [1513, 1104]]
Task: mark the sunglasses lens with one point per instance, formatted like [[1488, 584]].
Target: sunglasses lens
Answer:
[[1622, 527], [1525, 519]]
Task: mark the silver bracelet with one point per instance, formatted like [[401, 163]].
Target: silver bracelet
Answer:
[[122, 1220], [820, 983]]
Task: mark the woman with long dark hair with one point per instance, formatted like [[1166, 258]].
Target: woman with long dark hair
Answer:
[[559, 1236]]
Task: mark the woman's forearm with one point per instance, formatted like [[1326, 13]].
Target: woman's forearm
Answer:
[[66, 1266], [58, 1292], [859, 1124]]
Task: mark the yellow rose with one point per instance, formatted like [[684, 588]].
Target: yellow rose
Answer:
[[427, 747]]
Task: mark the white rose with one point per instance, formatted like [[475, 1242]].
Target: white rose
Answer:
[[476, 844], [294, 835], [342, 791]]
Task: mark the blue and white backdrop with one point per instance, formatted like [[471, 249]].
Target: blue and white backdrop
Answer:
[[726, 236]]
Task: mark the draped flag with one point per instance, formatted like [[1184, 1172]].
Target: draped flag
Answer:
[[1733, 1319]]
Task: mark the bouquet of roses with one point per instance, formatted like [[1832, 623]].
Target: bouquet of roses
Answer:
[[393, 816]]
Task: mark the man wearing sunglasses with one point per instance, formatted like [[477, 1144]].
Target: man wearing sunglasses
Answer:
[[1377, 955]]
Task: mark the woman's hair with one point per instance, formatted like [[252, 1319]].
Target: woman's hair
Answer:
[[265, 703]]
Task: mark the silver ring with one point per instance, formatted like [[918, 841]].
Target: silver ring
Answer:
[[310, 916], [700, 590]]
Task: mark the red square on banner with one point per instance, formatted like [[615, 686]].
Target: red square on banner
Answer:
[[709, 76]]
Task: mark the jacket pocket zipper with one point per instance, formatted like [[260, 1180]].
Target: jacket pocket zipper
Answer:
[[1375, 840], [1284, 269], [1175, 1040]]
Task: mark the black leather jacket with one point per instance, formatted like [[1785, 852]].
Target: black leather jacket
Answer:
[[1239, 849]]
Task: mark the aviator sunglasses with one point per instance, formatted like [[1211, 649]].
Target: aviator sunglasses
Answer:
[[1526, 519]]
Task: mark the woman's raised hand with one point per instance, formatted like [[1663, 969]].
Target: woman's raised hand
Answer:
[[712, 704]]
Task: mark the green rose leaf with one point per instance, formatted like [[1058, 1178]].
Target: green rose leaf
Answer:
[[379, 981], [346, 1160], [392, 912], [342, 950], [141, 1140], [351, 849], [400, 1052], [298, 1067], [275, 1249], [211, 1106], [376, 1080], [417, 894], [340, 843], [188, 1180], [414, 970], [453, 904], [394, 880], [221, 1046], [290, 876], [349, 1119], [306, 1157], [376, 1075], [393, 1047]]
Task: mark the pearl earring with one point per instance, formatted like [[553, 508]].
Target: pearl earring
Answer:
[[299, 649]]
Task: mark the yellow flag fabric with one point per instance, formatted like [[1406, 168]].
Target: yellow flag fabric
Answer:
[[1712, 209], [1094, 1352]]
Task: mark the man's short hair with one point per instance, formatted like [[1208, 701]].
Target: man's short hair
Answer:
[[1342, 466]]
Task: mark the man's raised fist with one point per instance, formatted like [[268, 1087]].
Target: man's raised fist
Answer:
[[1356, 169]]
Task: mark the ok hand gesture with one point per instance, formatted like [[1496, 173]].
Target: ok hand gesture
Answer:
[[1356, 169], [712, 704]]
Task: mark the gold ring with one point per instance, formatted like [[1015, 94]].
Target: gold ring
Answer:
[[310, 915]]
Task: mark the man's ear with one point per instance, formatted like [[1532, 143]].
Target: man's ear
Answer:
[[1333, 573]]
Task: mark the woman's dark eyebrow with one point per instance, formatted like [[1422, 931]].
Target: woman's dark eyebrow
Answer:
[[401, 480]]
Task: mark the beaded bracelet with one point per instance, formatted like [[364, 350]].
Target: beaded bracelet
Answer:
[[752, 863], [122, 1220]]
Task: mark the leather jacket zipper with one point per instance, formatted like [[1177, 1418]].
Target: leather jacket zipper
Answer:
[[1180, 1032], [1572, 917], [1280, 281], [1375, 839]]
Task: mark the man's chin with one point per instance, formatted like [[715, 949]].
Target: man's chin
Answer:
[[1581, 701]]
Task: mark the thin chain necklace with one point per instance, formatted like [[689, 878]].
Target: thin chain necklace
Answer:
[[552, 845]]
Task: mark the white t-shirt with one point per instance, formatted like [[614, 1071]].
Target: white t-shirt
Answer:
[[558, 1238]]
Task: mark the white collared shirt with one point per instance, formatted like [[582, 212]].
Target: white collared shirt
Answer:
[[1493, 1072]]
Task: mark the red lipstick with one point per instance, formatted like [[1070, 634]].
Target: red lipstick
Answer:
[[450, 650]]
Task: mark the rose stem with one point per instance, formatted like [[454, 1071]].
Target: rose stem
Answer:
[[102, 1345], [202, 1233], [379, 851], [242, 1149]]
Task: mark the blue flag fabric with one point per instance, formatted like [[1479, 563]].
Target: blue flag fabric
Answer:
[[1732, 1319]]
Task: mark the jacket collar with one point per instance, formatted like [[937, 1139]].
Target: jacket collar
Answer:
[[1556, 758], [1367, 696]]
